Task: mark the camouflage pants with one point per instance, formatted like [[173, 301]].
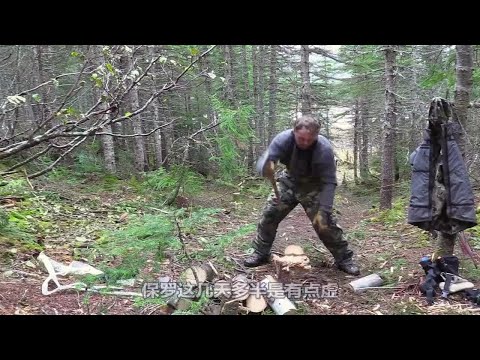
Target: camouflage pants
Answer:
[[445, 241], [445, 244], [323, 221]]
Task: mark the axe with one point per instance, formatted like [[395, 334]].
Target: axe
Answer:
[[266, 168]]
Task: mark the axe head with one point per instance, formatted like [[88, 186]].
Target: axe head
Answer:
[[265, 167]]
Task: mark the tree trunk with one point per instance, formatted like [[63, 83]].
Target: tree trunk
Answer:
[[463, 88], [261, 96], [257, 59], [256, 117], [326, 125], [157, 135], [42, 76], [249, 100], [386, 191], [306, 92], [415, 131], [107, 140], [363, 154], [272, 104], [355, 142], [167, 134], [139, 144], [228, 71]]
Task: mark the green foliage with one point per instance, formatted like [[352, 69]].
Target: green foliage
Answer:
[[216, 247], [359, 232], [164, 182], [88, 163], [135, 183], [128, 270], [140, 302], [394, 215], [64, 174], [366, 63], [442, 72], [20, 224], [110, 182], [3, 219], [125, 163], [226, 184], [369, 187], [198, 218], [15, 187], [469, 271], [195, 307], [262, 189], [475, 232], [49, 195], [476, 83], [144, 238], [233, 135], [15, 230], [149, 235]]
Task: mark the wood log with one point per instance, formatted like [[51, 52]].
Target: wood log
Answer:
[[240, 288], [281, 305], [256, 304], [179, 303], [290, 261], [294, 250], [231, 308], [204, 273], [360, 285]]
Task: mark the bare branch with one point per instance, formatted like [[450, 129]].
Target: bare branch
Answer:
[[211, 126], [327, 54], [6, 58], [14, 136], [63, 102], [135, 135], [51, 166], [33, 157]]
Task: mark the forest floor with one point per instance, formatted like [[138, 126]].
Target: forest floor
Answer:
[[129, 235]]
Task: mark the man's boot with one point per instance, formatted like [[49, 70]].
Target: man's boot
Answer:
[[349, 267], [256, 259]]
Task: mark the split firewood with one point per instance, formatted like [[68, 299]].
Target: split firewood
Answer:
[[196, 275], [276, 297], [294, 250], [231, 308], [255, 303], [179, 303], [294, 257], [232, 294], [240, 288]]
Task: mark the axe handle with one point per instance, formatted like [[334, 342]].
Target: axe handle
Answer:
[[270, 174], [275, 188]]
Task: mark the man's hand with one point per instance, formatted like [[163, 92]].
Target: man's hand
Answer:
[[269, 172]]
